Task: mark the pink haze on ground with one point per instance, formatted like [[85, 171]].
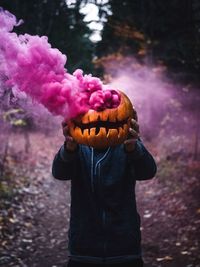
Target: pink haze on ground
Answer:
[[29, 64]]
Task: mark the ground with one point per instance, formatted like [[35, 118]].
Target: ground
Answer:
[[34, 212]]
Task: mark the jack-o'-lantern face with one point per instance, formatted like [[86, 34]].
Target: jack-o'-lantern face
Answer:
[[101, 129]]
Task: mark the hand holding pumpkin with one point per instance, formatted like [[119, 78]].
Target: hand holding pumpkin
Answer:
[[129, 144], [70, 144]]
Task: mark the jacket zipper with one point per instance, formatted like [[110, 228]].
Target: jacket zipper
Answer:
[[103, 223], [94, 173], [98, 166], [92, 170], [100, 160]]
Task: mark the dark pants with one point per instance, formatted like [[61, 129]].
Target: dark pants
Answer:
[[133, 263]]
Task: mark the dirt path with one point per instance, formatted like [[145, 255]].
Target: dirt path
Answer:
[[39, 220], [169, 208], [51, 199], [35, 233], [49, 231]]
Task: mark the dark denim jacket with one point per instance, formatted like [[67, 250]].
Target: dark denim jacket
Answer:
[[104, 223]]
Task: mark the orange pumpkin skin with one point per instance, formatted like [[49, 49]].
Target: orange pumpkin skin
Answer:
[[101, 129]]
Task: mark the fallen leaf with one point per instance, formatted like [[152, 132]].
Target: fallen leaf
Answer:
[[166, 258], [185, 252]]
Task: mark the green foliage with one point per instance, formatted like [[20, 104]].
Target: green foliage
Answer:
[[6, 191], [12, 116]]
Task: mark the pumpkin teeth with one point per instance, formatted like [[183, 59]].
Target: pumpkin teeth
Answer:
[[107, 132], [92, 116], [112, 133], [102, 132], [85, 119], [112, 117], [92, 131], [111, 129], [84, 131], [120, 132], [121, 117], [104, 116], [125, 127]]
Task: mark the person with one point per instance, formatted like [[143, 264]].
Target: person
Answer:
[[104, 222]]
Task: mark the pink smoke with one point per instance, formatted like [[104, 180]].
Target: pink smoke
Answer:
[[32, 66]]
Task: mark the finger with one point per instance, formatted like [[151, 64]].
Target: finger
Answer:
[[133, 133], [72, 145], [133, 121], [130, 141], [66, 130], [69, 139], [135, 125]]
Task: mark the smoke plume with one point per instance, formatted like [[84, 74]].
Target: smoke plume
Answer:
[[29, 64]]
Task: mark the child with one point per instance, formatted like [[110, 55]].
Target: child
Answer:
[[104, 223]]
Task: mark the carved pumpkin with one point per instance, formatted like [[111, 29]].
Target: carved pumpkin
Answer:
[[101, 129]]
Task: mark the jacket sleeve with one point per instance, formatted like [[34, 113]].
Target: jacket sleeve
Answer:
[[141, 163], [64, 165]]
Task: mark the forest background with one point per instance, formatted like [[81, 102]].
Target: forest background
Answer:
[[149, 49]]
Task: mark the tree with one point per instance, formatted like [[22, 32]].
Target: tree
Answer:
[[62, 23], [164, 31]]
